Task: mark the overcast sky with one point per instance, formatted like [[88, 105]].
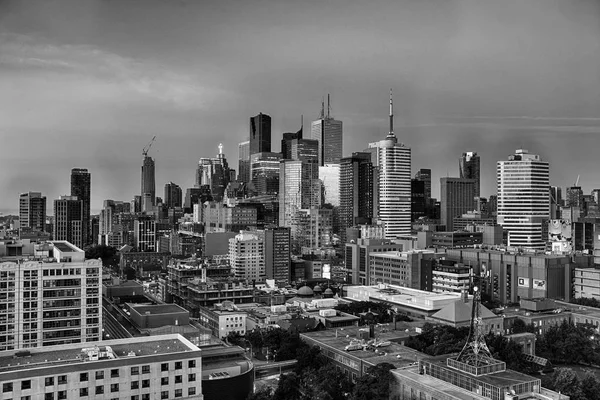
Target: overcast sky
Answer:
[[88, 83]]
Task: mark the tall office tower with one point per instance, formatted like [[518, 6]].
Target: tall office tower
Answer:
[[424, 175], [68, 212], [356, 191], [393, 174], [524, 198], [173, 195], [81, 188], [260, 134], [32, 211], [329, 175], [264, 172], [457, 197], [555, 202], [214, 172], [62, 298], [286, 150], [328, 132], [299, 188], [470, 167], [277, 250], [304, 150], [148, 180], [417, 199], [136, 204], [244, 162], [246, 256], [574, 197]]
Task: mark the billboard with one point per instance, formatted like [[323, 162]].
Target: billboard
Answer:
[[523, 282], [560, 235], [539, 284]]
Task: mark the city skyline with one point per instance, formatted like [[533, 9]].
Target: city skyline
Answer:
[[91, 82]]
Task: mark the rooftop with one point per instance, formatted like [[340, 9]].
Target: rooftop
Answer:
[[72, 354], [158, 309], [66, 247]]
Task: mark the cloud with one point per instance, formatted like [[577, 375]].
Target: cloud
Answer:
[[141, 77]]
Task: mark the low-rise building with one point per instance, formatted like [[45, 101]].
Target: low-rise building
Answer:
[[399, 268], [458, 314], [166, 367], [222, 320]]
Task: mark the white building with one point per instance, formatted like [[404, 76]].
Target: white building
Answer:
[[155, 367], [524, 198], [246, 256], [392, 176], [329, 174], [52, 299]]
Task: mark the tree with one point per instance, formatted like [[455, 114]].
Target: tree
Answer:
[[309, 357], [235, 339], [109, 255], [374, 384], [567, 382], [288, 387], [265, 393], [590, 386], [519, 326]]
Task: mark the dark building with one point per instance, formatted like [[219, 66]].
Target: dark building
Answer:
[[286, 147], [304, 150], [277, 255], [470, 168], [260, 134], [264, 173], [68, 225], [356, 191], [424, 175], [575, 198], [457, 198], [173, 195], [417, 199], [196, 195], [32, 211], [81, 183]]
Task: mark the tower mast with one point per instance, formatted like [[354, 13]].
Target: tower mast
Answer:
[[391, 115]]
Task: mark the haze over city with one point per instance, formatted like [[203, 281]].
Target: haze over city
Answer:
[[89, 83]]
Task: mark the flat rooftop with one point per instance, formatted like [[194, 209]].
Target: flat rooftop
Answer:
[[66, 247], [158, 309], [72, 354], [396, 354], [445, 387]]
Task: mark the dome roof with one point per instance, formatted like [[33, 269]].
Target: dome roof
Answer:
[[317, 288], [328, 291], [305, 291]]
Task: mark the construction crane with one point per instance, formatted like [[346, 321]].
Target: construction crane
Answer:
[[146, 149]]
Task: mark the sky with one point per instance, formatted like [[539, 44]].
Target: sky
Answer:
[[88, 83]]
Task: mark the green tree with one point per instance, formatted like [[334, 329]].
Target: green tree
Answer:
[[519, 326], [590, 386], [567, 382], [265, 393], [288, 387], [109, 255], [235, 339], [374, 384], [309, 357]]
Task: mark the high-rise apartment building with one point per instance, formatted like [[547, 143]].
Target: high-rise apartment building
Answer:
[[246, 256], [32, 211], [393, 167], [81, 183], [524, 198], [50, 303], [244, 162], [264, 173], [424, 175], [148, 181], [470, 168], [68, 224], [260, 134], [328, 132], [356, 191], [173, 195], [457, 198], [277, 249]]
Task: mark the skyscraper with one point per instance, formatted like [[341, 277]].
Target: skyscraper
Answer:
[[81, 183], [418, 201], [328, 132], [424, 175], [260, 134], [298, 189], [32, 211], [393, 166], [173, 195], [574, 197], [148, 180], [285, 143], [264, 172], [356, 191], [68, 224], [457, 197], [214, 172], [524, 198], [469, 168], [329, 175], [244, 162]]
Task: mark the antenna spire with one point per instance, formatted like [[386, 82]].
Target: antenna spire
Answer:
[[328, 107], [391, 134], [322, 107]]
